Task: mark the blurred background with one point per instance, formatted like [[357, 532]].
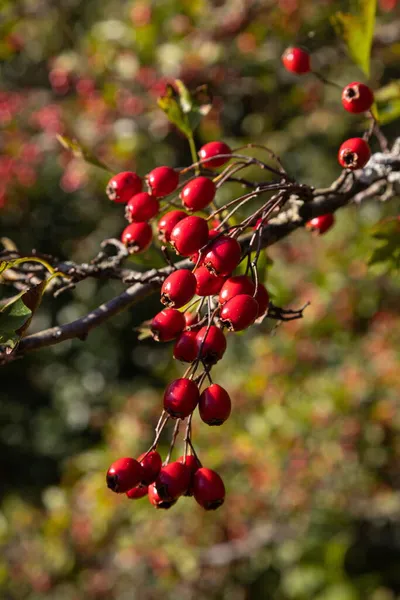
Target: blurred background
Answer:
[[311, 452]]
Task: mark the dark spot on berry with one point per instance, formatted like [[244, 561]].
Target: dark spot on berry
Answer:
[[112, 482], [214, 505]]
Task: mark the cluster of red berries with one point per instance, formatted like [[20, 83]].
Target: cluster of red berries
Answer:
[[357, 98]]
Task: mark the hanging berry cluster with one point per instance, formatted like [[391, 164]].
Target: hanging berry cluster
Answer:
[[206, 300]]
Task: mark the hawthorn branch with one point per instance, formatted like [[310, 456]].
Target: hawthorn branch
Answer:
[[381, 177]]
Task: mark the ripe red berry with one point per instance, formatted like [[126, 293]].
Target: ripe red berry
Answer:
[[214, 405], [141, 207], [156, 500], [211, 150], [167, 325], [189, 235], [124, 474], [262, 298], [198, 193], [321, 224], [181, 398], [223, 256], [137, 492], [185, 348], [211, 343], [167, 223], [296, 60], [193, 464], [239, 284], [123, 186], [239, 312], [354, 153], [137, 237], [208, 488], [191, 319], [211, 234], [207, 284], [173, 481], [163, 181], [357, 97], [151, 463], [178, 288]]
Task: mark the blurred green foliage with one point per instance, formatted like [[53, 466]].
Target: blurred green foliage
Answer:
[[310, 454]]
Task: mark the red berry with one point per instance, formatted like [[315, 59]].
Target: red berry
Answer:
[[211, 342], [137, 237], [214, 405], [141, 207], [137, 492], [178, 288], [156, 500], [185, 348], [354, 153], [321, 224], [173, 481], [239, 312], [168, 222], [208, 151], [357, 97], [262, 298], [296, 61], [211, 234], [167, 325], [208, 488], [124, 474], [191, 319], [223, 256], [151, 463], [163, 181], [207, 284], [198, 193], [123, 186], [181, 398], [240, 284], [189, 235], [193, 464]]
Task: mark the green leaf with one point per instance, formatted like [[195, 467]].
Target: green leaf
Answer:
[[387, 241], [356, 28], [183, 108], [388, 101], [80, 152]]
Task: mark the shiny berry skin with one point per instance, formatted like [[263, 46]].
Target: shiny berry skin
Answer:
[[167, 223], [262, 298], [162, 181], [185, 348], [156, 500], [151, 464], [141, 207], [181, 398], [173, 481], [296, 61], [354, 154], [124, 474], [208, 489], [123, 186], [191, 319], [239, 284], [211, 234], [211, 344], [214, 405], [137, 492], [357, 97], [207, 284], [198, 193], [212, 149], [223, 256], [189, 235], [321, 224], [239, 312], [167, 325], [193, 464], [178, 288], [137, 237]]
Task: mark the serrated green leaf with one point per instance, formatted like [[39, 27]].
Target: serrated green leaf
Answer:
[[183, 108], [170, 104], [80, 151], [356, 28]]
